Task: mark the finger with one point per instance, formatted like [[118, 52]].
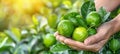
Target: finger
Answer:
[[96, 47], [75, 48], [90, 40], [101, 43], [74, 43], [61, 38], [93, 39], [58, 36]]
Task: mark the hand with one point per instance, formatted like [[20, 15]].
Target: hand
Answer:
[[93, 43], [109, 5]]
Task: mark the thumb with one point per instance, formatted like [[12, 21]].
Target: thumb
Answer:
[[93, 39]]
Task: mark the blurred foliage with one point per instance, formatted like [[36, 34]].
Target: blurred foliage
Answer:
[[23, 23]]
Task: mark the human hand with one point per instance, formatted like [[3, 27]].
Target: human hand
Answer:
[[109, 5], [93, 43]]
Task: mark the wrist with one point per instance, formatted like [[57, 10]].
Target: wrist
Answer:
[[116, 24], [111, 27]]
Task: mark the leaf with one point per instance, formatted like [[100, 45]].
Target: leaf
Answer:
[[2, 36], [67, 4], [102, 11], [22, 49], [86, 8], [19, 52], [33, 42], [11, 35], [71, 17], [81, 21], [106, 17], [6, 47], [45, 52], [3, 42], [16, 32], [104, 14], [35, 20], [73, 52], [115, 12], [59, 47]]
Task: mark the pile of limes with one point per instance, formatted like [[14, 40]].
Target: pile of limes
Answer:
[[73, 25]]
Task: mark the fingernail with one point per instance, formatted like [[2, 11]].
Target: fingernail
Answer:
[[86, 42]]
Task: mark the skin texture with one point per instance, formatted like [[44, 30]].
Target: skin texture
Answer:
[[104, 32], [109, 5]]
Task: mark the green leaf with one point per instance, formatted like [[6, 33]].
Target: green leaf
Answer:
[[106, 17], [81, 21], [11, 35], [6, 47], [59, 47], [86, 8], [16, 32], [115, 12], [67, 4], [19, 52], [2, 36], [33, 42], [102, 11], [73, 52], [22, 49], [77, 4], [45, 52], [35, 20], [4, 41], [71, 17], [104, 14]]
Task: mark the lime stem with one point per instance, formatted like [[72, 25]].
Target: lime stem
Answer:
[[89, 28]]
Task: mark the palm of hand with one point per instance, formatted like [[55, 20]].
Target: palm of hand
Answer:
[[93, 43]]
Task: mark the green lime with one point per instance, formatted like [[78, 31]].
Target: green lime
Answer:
[[49, 40], [52, 20], [93, 19], [114, 45], [65, 28], [80, 34]]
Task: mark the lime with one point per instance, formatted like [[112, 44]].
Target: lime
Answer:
[[93, 19], [80, 34], [114, 45], [49, 40], [65, 28], [52, 20]]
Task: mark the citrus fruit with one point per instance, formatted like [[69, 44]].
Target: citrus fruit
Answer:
[[65, 28], [114, 45], [93, 19], [52, 20], [80, 34], [49, 40]]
